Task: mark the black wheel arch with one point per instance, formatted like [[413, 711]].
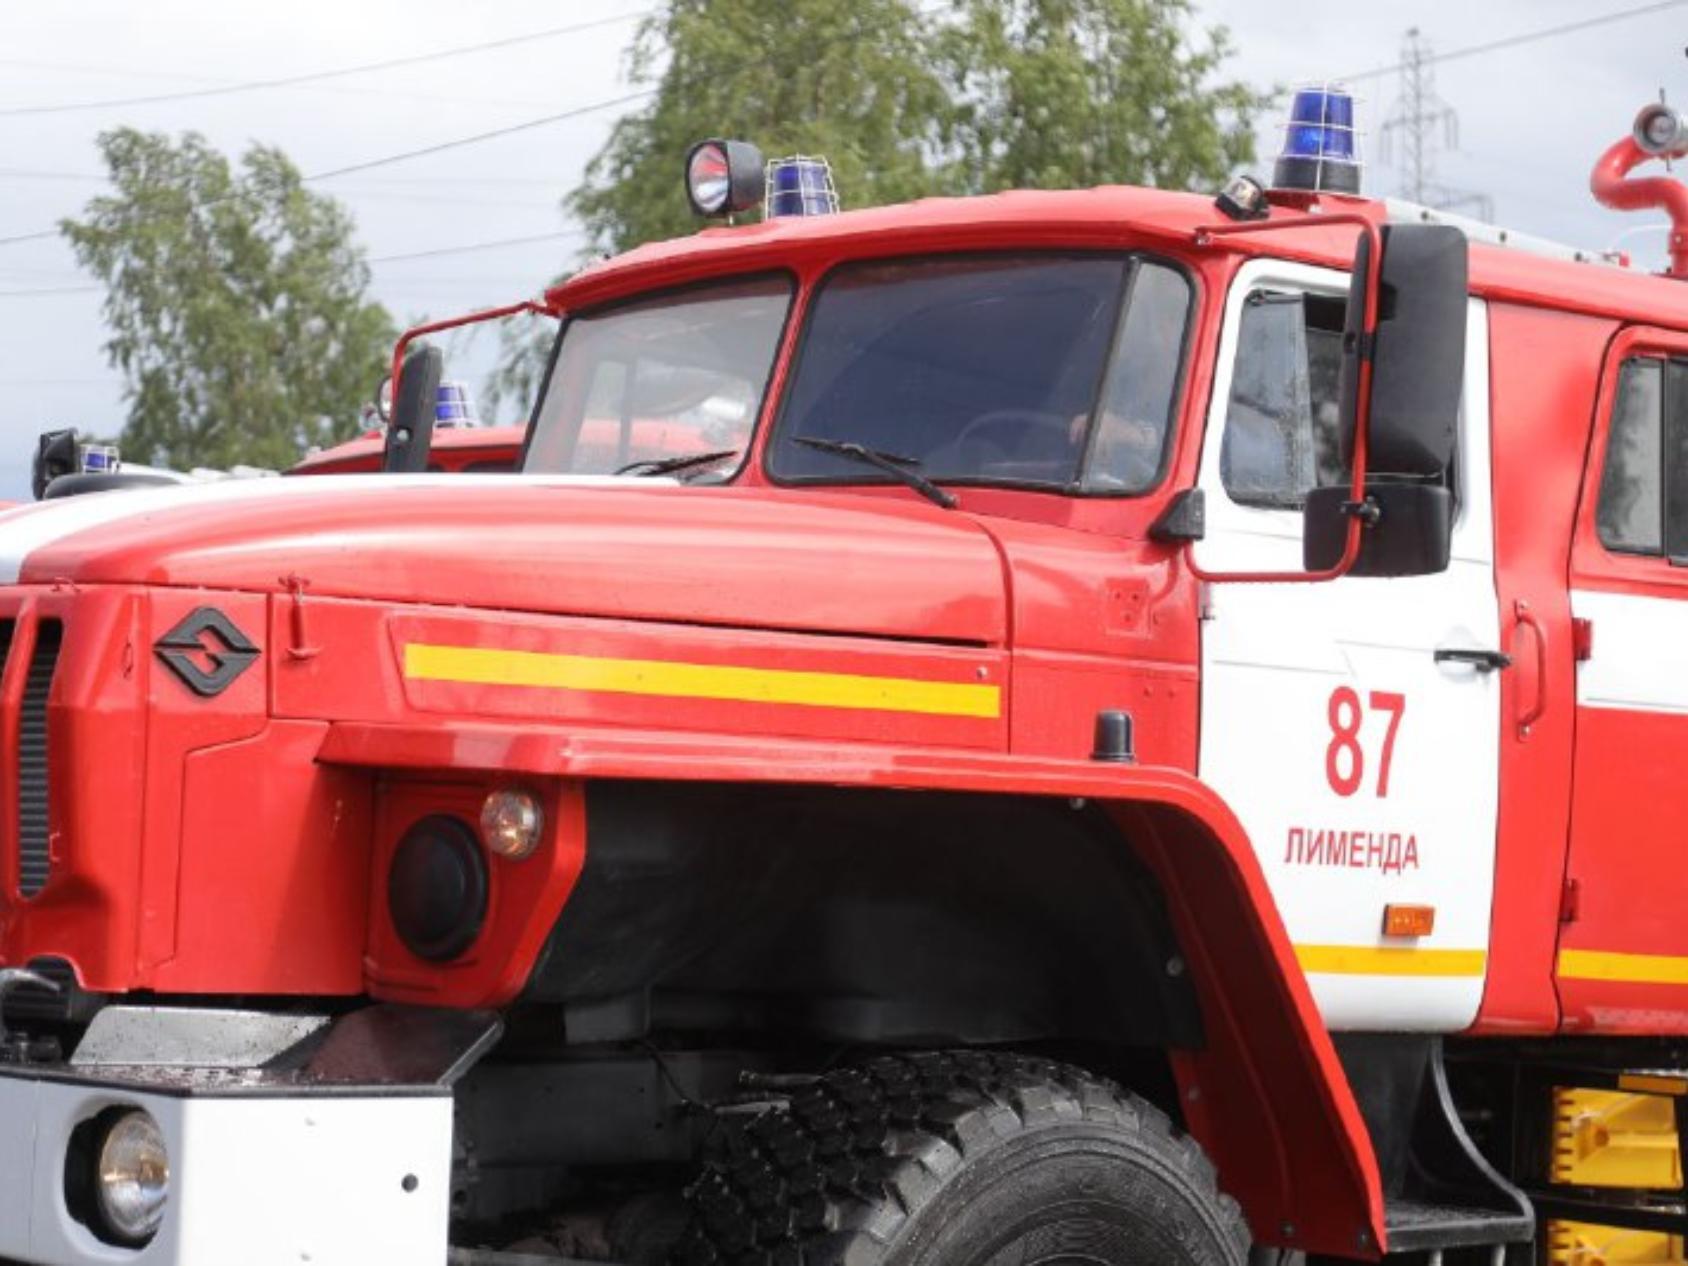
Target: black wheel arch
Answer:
[[1122, 913], [863, 917]]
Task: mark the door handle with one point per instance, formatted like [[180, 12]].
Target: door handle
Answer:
[[1528, 716], [1483, 661]]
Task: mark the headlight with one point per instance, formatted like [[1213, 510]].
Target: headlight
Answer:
[[437, 888], [132, 1178], [511, 823]]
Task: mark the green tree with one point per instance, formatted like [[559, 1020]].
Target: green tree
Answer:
[[856, 82], [236, 303], [1060, 94], [906, 101]]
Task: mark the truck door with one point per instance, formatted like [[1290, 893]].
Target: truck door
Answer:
[[1623, 951], [1353, 725]]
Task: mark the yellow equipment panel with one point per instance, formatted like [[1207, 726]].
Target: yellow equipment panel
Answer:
[[1609, 1138]]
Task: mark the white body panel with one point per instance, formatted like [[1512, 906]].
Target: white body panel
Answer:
[[29, 528], [1640, 660], [1273, 658], [254, 1181]]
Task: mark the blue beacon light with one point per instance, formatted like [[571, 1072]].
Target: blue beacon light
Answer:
[[452, 407], [1320, 153], [800, 186]]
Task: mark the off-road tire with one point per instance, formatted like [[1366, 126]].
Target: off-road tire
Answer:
[[960, 1159]]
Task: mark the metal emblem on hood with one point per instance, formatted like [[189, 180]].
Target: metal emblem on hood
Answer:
[[206, 637]]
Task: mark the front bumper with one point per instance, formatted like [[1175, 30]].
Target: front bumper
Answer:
[[349, 1178], [297, 1141]]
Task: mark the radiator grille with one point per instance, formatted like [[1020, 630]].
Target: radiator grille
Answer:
[[34, 864], [7, 628]]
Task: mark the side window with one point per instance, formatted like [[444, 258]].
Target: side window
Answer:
[[1630, 515], [1128, 443], [1676, 460], [1283, 420]]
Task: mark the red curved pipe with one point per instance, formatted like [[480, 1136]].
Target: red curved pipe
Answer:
[[1611, 185]]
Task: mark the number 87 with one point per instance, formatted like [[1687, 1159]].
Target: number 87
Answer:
[[1345, 759]]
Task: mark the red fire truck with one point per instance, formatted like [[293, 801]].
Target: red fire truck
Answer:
[[475, 450], [1142, 730]]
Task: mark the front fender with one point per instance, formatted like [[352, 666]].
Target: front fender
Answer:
[[1266, 1097]]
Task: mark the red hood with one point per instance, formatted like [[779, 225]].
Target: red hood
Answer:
[[744, 557]]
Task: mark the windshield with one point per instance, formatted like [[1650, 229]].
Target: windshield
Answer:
[[680, 375], [1036, 371]]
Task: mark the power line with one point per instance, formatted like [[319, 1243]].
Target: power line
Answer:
[[37, 236], [30, 173], [560, 116], [475, 139], [1527, 37], [289, 81], [223, 81], [379, 191], [401, 257], [390, 185], [476, 246], [495, 133], [406, 155]]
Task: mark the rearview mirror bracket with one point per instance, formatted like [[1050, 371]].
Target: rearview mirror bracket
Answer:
[[1395, 520], [417, 436]]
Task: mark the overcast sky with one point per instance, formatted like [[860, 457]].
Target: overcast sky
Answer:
[[1532, 118]]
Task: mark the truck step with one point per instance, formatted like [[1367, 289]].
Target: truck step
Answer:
[[1418, 1228], [497, 1257]]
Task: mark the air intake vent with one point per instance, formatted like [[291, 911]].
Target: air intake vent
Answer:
[[34, 864]]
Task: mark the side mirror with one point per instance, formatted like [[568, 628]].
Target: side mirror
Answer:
[[410, 431], [55, 455], [1410, 423]]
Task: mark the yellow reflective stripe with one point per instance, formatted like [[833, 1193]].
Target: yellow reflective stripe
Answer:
[[1637, 969], [1389, 960], [491, 667]]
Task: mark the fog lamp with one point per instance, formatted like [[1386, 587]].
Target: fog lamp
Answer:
[[132, 1178], [512, 823], [437, 888]]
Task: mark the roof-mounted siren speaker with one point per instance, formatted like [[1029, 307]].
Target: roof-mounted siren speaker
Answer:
[[1660, 130], [1321, 152]]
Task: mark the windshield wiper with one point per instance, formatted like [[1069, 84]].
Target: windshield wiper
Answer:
[[896, 465], [668, 465]]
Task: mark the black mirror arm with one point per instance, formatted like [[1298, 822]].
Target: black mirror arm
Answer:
[[1364, 514]]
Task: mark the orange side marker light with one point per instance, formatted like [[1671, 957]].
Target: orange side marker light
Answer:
[[1401, 920]]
